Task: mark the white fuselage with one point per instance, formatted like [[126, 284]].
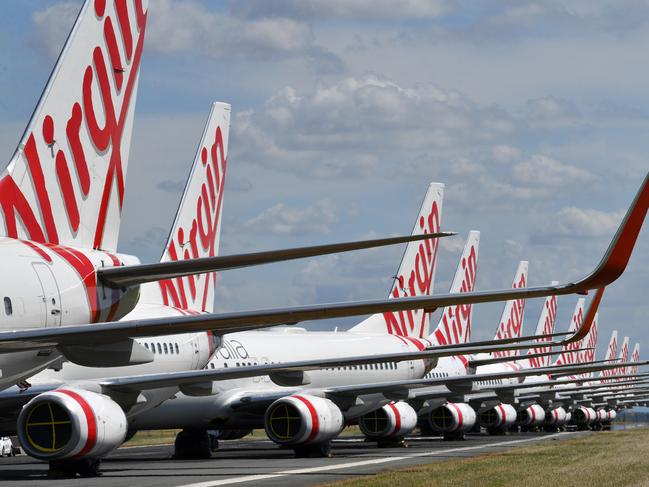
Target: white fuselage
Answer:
[[228, 409], [52, 285]]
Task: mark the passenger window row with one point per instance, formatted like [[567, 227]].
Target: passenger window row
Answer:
[[436, 375], [166, 348], [379, 366]]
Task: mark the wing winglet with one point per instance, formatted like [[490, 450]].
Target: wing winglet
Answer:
[[587, 324], [619, 251]]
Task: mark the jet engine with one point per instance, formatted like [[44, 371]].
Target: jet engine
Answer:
[[611, 414], [66, 423], [499, 417], [583, 416], [531, 416], [556, 417], [601, 415], [303, 419], [393, 420], [452, 417]]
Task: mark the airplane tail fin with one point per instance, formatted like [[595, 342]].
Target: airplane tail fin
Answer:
[[65, 182], [454, 326], [624, 355], [545, 326], [569, 354], [611, 353], [511, 321], [197, 227], [415, 276], [635, 357], [590, 342]]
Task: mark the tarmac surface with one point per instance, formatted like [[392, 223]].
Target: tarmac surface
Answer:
[[260, 462]]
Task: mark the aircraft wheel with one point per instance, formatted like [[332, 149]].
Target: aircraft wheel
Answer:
[[392, 443], [67, 469], [457, 436], [320, 450], [192, 444]]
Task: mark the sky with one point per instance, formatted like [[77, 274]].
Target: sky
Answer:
[[534, 114]]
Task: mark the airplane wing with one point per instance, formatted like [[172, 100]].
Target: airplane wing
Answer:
[[393, 390], [608, 270], [133, 275], [406, 386], [110, 332], [498, 360], [287, 372]]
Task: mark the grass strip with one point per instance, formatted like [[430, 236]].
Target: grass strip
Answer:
[[619, 458]]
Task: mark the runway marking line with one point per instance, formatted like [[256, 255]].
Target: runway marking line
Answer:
[[373, 461]]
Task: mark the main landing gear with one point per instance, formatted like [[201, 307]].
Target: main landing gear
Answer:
[[194, 445], [392, 443], [67, 469], [455, 436], [319, 450]]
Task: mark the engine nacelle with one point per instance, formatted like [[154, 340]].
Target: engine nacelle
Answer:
[[583, 415], [500, 416], [601, 415], [533, 415], [303, 419], [67, 423], [556, 416], [452, 417], [393, 420], [611, 414]]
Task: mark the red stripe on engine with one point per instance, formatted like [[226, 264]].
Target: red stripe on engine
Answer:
[[397, 419], [502, 411], [533, 414], [90, 420], [460, 418], [315, 424]]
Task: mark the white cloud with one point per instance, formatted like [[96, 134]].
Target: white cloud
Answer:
[[584, 222], [546, 171], [367, 124], [52, 26], [283, 220], [362, 10], [176, 27], [550, 107], [505, 154], [452, 244]]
